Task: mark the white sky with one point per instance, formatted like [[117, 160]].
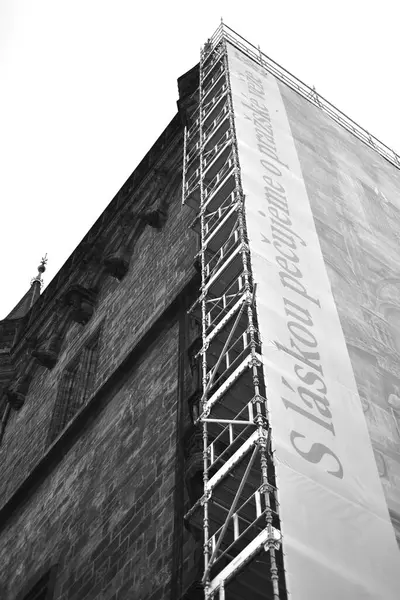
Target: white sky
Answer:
[[87, 86]]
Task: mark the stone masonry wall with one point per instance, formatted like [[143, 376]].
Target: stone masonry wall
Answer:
[[161, 264], [105, 513]]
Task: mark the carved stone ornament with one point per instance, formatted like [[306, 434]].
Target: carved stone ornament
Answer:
[[128, 220], [116, 264], [92, 253], [82, 302], [195, 364], [15, 399], [155, 218], [193, 451], [47, 353], [194, 403]]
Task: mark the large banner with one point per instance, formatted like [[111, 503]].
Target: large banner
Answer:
[[338, 540]]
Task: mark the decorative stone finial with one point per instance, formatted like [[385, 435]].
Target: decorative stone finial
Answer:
[[41, 269]]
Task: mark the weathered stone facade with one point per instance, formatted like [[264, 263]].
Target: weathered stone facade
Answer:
[[95, 378]]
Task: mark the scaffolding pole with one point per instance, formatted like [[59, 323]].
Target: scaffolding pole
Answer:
[[240, 517]]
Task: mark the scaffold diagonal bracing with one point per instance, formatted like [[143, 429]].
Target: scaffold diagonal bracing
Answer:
[[238, 512]]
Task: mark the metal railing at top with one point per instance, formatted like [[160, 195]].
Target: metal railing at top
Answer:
[[310, 94]]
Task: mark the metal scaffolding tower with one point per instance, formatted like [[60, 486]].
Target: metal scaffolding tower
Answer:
[[238, 511]]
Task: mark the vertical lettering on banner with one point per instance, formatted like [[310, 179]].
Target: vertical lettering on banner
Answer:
[[333, 511]]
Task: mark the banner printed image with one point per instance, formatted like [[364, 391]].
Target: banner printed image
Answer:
[[354, 195], [312, 301]]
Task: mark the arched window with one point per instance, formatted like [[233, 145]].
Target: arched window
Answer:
[[75, 386]]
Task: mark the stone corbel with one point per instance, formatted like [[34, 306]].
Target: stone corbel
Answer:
[[82, 302], [47, 353], [195, 364], [193, 453], [15, 398], [155, 218], [91, 262], [92, 253], [194, 404], [160, 178], [116, 263], [16, 393]]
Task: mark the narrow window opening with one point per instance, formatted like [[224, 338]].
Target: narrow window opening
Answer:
[[76, 386]]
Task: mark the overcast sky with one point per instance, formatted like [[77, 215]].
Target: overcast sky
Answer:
[[87, 86]]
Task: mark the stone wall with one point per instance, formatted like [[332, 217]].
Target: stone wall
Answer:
[[104, 502], [105, 513]]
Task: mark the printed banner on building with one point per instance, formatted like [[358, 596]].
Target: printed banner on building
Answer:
[[338, 540]]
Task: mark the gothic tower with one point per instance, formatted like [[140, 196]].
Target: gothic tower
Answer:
[[204, 403]]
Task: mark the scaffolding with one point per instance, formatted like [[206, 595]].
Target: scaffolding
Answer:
[[238, 512], [224, 32]]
